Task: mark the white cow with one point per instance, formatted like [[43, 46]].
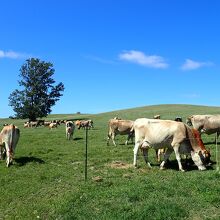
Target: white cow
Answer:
[[9, 137], [175, 136], [70, 127]]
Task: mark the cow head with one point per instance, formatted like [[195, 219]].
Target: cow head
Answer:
[[205, 156], [78, 124], [196, 157], [189, 121]]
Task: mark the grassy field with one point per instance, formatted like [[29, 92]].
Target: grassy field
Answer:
[[47, 181]]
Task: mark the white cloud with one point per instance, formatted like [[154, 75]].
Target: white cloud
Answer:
[[192, 95], [192, 65], [139, 57], [12, 55]]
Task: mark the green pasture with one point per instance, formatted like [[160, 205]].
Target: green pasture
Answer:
[[47, 181]]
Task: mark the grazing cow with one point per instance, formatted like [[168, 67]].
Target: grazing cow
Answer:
[[207, 124], [52, 125], [156, 116], [9, 137], [122, 127], [197, 136], [26, 124], [177, 137], [77, 123], [47, 123], [84, 124], [33, 124], [70, 127]]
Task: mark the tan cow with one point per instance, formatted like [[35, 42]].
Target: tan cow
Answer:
[[53, 125], [175, 136], [208, 124], [84, 124], [122, 127], [9, 137]]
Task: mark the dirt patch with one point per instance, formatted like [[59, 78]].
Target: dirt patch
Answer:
[[120, 165]]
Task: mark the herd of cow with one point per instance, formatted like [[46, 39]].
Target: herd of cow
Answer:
[[165, 136], [10, 134]]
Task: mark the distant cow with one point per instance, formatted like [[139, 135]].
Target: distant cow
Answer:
[[9, 137], [179, 119], [156, 116], [207, 124], [84, 124], [70, 127], [53, 125], [177, 137], [122, 127]]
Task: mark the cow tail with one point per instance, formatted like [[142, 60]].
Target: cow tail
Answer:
[[12, 130]]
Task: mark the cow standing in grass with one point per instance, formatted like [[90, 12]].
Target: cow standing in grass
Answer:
[[9, 137], [70, 127], [122, 127], [177, 137]]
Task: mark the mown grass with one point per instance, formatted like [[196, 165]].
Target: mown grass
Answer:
[[47, 181]]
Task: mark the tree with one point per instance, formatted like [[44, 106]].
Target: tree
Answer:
[[39, 93]]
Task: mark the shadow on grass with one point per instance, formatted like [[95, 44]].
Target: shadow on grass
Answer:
[[76, 139], [188, 165], [24, 160], [210, 143]]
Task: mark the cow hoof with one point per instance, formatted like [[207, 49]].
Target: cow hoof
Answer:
[[162, 168], [182, 170], [149, 166]]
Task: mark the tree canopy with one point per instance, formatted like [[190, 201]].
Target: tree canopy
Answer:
[[38, 92]]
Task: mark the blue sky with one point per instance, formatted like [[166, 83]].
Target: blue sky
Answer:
[[115, 54]]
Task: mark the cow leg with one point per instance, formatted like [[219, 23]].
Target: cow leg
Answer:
[[145, 154], [8, 157], [136, 147], [111, 136], [178, 158], [216, 137], [166, 157], [113, 140], [128, 138]]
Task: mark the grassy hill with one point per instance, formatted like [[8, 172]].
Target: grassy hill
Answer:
[[46, 180]]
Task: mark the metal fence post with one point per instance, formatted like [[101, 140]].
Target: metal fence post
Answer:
[[86, 154], [216, 151]]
